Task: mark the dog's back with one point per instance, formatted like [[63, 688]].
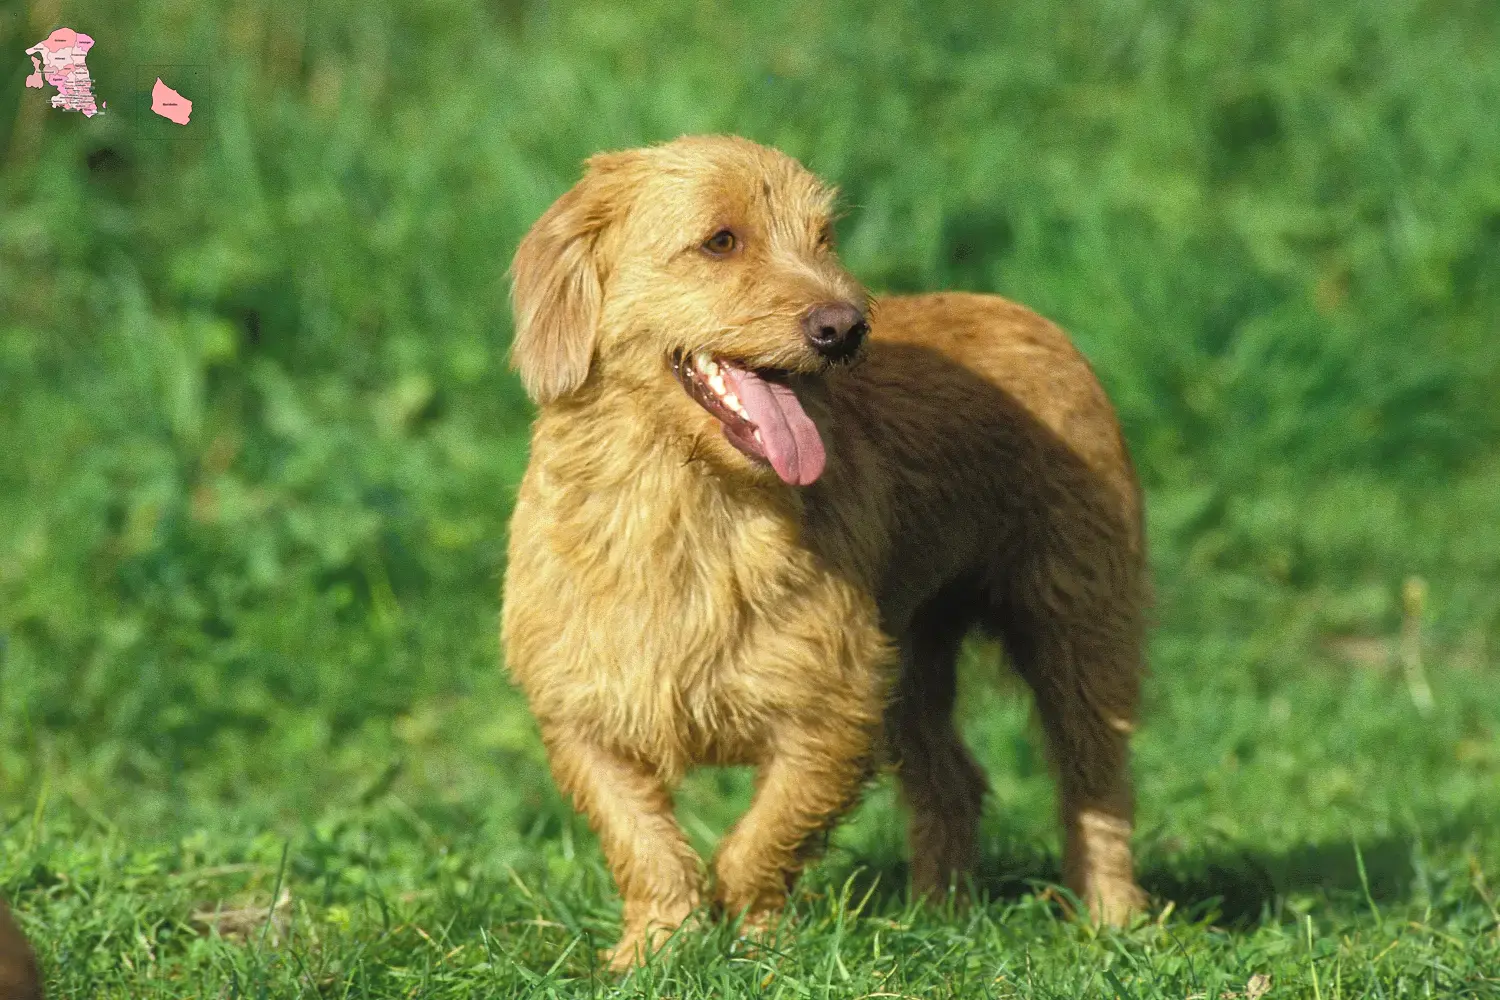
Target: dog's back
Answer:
[[981, 409]]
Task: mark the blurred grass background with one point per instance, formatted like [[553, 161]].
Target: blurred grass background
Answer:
[[258, 442]]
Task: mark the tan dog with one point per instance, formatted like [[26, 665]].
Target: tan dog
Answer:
[[756, 527]]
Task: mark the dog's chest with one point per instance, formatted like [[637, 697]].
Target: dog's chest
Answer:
[[663, 625]]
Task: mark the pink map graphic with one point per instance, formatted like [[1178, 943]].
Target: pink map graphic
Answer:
[[170, 104], [58, 59]]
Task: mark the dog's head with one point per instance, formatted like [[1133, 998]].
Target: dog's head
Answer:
[[709, 260]]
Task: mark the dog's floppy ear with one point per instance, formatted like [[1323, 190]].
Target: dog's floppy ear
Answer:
[[557, 283]]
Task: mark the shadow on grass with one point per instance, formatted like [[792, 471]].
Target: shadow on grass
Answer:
[[1233, 888], [1248, 884]]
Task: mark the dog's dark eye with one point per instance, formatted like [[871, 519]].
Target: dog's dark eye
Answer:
[[721, 243], [825, 237]]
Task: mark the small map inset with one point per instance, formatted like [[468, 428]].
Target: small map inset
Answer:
[[170, 104], [58, 59], [165, 94]]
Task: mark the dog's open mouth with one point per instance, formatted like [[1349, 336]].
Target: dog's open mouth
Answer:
[[760, 414]]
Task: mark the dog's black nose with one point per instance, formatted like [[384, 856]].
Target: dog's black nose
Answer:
[[834, 329]]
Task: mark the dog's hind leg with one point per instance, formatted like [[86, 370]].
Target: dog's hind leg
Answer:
[[657, 871], [1079, 651], [941, 783]]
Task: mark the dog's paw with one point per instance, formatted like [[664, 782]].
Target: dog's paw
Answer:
[[634, 949], [756, 932], [1114, 902], [629, 953], [933, 893], [639, 943]]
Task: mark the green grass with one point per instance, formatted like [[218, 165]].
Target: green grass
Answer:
[[1325, 835], [258, 443]]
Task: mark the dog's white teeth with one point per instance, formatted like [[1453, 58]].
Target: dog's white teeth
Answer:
[[712, 374], [758, 439]]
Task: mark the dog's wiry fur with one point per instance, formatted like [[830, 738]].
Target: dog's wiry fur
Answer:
[[671, 602]]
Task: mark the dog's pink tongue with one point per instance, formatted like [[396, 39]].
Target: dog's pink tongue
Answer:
[[789, 437]]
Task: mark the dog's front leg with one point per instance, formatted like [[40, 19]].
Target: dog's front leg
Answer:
[[801, 790], [629, 808]]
